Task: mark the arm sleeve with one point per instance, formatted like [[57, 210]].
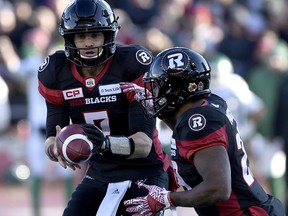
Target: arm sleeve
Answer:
[[138, 122], [56, 115]]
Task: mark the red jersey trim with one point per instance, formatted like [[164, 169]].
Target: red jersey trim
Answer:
[[158, 149], [256, 210], [167, 166], [189, 147], [51, 95], [232, 208]]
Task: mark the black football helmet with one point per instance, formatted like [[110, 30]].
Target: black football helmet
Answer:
[[82, 16], [176, 76]]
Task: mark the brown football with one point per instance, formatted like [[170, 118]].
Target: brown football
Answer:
[[73, 144]]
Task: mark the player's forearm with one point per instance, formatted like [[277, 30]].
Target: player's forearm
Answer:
[[202, 195], [142, 145]]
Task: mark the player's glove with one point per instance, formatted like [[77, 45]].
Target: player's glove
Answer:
[[95, 135], [157, 199], [116, 145], [138, 91]]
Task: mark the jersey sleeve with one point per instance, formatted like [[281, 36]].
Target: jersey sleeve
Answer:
[[201, 129], [47, 79], [138, 122], [56, 115]]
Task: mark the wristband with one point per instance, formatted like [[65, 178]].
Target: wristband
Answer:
[[168, 200], [119, 145], [50, 153]]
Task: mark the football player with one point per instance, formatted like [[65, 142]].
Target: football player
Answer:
[[208, 154], [82, 85]]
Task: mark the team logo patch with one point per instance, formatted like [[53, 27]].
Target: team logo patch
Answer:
[[143, 57], [175, 59], [90, 82], [192, 87], [44, 64], [197, 122]]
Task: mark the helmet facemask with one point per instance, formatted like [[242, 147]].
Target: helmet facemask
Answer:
[[105, 51], [154, 102], [165, 97]]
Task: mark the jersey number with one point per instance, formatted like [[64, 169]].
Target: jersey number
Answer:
[[100, 119], [247, 174]]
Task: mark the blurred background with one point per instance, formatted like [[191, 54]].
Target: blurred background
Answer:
[[245, 42]]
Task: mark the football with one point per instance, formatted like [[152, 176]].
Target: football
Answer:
[[73, 144]]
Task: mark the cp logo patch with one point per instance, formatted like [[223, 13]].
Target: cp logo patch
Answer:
[[197, 122]]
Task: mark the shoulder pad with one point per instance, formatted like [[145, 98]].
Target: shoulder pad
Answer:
[[135, 59], [47, 76], [50, 67]]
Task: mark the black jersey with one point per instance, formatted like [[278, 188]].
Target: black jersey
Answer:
[[99, 100], [205, 126]]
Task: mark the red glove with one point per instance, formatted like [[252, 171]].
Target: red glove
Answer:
[[157, 199], [137, 90], [138, 93]]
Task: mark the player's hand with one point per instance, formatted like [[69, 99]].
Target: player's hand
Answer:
[[95, 135], [138, 91], [60, 159], [157, 199]]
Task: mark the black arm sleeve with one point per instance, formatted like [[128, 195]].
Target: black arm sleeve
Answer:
[[138, 122], [56, 115]]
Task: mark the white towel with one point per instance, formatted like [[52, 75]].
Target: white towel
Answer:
[[114, 195]]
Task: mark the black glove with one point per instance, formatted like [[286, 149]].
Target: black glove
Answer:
[[96, 136], [105, 145]]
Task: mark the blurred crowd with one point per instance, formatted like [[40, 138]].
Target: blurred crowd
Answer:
[[246, 39]]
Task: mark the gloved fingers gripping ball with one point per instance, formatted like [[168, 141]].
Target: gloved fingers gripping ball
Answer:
[[117, 145], [95, 135], [157, 199]]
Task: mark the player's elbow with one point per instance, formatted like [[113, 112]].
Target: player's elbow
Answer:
[[221, 193], [223, 196], [216, 192]]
